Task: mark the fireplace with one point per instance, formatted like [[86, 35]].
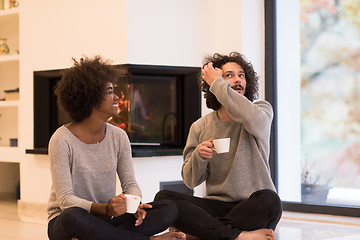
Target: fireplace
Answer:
[[157, 106]]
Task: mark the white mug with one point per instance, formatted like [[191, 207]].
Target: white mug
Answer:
[[132, 203], [221, 145]]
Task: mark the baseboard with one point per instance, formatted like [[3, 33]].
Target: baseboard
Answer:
[[32, 212]]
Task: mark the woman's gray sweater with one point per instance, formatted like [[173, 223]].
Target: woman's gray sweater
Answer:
[[86, 173]]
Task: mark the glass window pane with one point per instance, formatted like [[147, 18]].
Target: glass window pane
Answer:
[[330, 101]]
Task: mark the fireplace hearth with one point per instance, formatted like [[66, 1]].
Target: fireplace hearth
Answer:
[[157, 106]]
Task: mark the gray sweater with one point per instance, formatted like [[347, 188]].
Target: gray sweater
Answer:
[[86, 173], [235, 175]]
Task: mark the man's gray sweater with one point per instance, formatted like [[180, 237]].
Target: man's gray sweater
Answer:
[[235, 175]]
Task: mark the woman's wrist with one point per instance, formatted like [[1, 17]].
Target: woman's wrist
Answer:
[[107, 209]]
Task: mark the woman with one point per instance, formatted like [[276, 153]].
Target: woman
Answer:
[[86, 154]]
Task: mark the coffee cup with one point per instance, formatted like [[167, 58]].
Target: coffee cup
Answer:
[[132, 203], [221, 145]]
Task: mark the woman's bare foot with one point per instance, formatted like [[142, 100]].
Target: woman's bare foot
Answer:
[[188, 237], [169, 236], [260, 234]]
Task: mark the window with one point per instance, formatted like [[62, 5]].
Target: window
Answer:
[[317, 104]]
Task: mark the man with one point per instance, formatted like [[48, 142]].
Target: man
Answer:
[[240, 202]]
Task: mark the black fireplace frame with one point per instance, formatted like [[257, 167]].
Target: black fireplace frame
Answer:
[[189, 106]]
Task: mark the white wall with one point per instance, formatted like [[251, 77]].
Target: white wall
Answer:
[[288, 74], [161, 32], [253, 38], [51, 33], [169, 32]]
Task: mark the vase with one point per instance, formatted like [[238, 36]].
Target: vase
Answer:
[[4, 48], [314, 193]]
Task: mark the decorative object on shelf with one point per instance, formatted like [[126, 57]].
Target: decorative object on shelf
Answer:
[[13, 3], [13, 142], [6, 4], [12, 94], [4, 48]]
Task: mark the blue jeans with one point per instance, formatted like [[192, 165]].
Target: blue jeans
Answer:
[[79, 223], [218, 220]]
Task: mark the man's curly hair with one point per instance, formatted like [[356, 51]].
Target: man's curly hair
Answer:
[[82, 87], [218, 60]]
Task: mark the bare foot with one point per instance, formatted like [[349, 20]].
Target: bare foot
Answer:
[[191, 237], [188, 236], [169, 236], [260, 234]]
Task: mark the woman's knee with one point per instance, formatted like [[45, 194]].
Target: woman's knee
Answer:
[[72, 215], [63, 226], [74, 211]]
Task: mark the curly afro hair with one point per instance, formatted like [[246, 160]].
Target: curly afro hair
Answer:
[[218, 60], [82, 87]]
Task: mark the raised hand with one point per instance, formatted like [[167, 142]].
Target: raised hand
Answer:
[[210, 74]]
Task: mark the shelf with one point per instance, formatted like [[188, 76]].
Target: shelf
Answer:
[[10, 157], [9, 103], [10, 154], [136, 151], [8, 14], [9, 58]]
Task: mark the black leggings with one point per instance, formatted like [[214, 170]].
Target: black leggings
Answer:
[[78, 222], [218, 220]]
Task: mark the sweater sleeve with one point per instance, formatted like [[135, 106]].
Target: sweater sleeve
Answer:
[[194, 168], [256, 117], [60, 167], [125, 168]]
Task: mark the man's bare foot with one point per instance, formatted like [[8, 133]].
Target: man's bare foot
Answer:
[[260, 234], [169, 236]]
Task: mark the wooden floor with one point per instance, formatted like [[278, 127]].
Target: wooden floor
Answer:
[[11, 228], [292, 226]]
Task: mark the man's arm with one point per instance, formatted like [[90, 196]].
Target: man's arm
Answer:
[[256, 117], [194, 168]]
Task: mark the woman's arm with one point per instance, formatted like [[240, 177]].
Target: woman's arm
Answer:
[[125, 167], [60, 168], [115, 207]]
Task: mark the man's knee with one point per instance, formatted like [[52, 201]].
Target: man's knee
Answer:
[[165, 204], [167, 209], [165, 194], [269, 198]]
